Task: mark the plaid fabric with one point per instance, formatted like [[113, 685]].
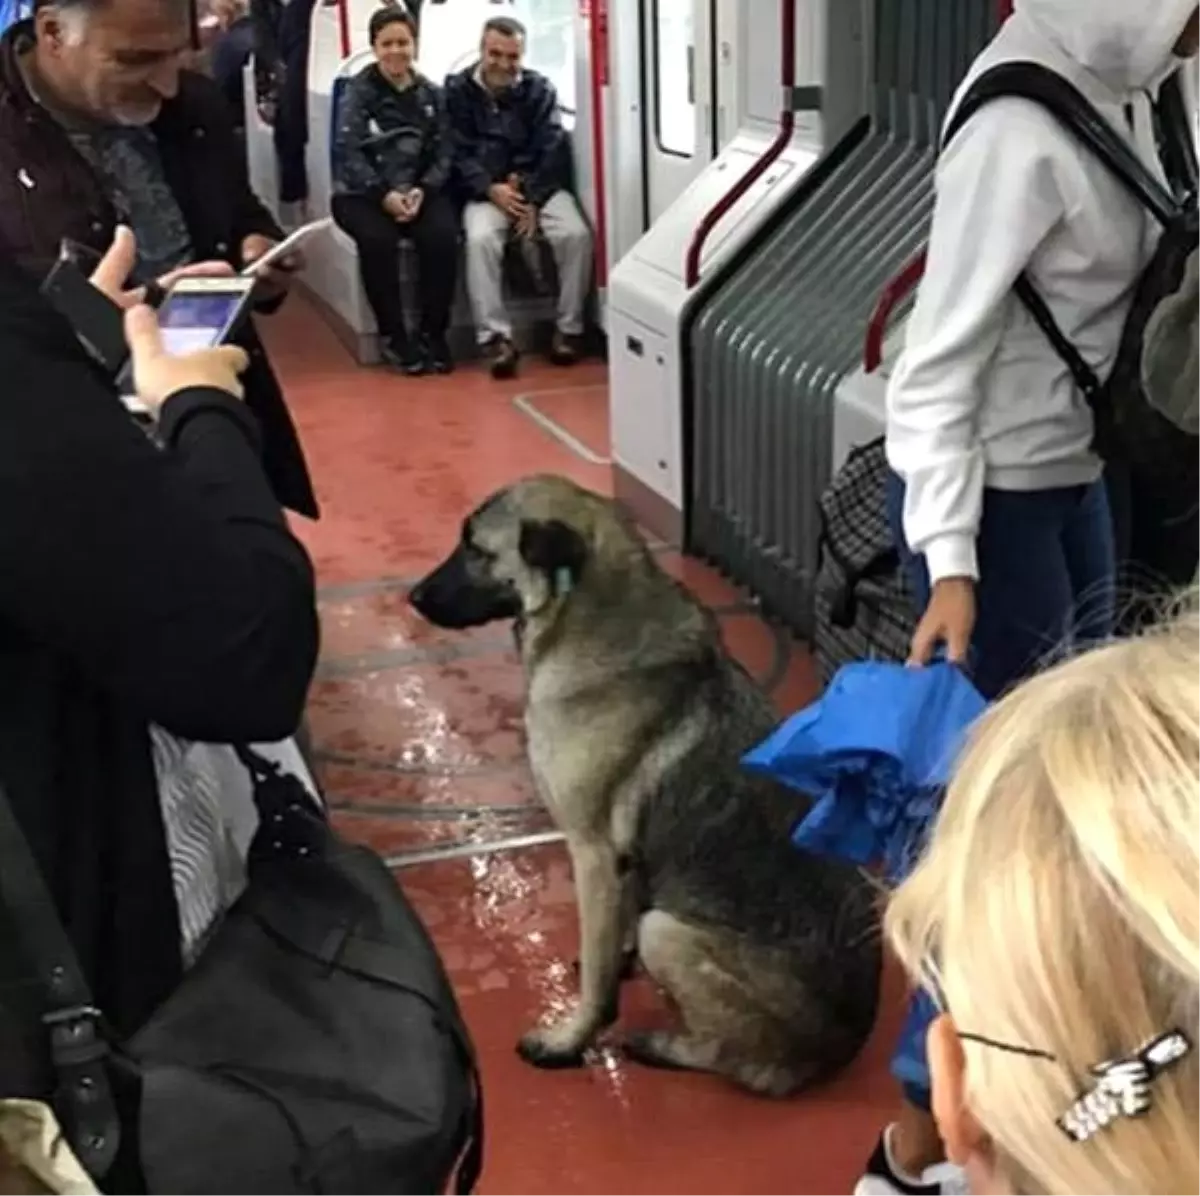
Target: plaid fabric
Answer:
[[863, 607]]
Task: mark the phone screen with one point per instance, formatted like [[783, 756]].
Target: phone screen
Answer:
[[194, 321]]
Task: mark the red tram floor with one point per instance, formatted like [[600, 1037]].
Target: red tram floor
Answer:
[[418, 738]]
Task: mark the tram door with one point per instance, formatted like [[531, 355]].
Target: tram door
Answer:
[[682, 53]]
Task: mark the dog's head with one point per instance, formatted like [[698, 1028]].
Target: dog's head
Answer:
[[522, 551]]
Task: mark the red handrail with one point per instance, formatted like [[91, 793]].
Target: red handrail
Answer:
[[598, 53], [344, 26], [787, 125], [903, 282], [890, 296]]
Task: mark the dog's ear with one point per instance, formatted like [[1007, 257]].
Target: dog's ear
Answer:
[[552, 546]]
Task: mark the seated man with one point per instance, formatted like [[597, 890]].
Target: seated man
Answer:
[[509, 163], [99, 125]]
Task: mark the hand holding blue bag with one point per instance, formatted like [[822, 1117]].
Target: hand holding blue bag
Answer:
[[875, 753]]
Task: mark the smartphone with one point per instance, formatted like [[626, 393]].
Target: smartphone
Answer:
[[197, 313], [97, 321], [288, 245]]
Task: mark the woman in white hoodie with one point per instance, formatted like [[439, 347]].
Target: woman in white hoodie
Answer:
[[998, 500]]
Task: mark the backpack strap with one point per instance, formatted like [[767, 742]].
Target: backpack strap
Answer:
[[1081, 373], [1064, 101], [1177, 147], [79, 1052]]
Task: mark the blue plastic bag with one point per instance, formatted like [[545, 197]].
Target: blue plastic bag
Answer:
[[876, 752]]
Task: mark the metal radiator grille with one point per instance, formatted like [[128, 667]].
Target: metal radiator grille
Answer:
[[770, 345]]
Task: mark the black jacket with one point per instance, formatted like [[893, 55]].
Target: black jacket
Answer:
[[137, 586], [48, 191], [389, 139], [518, 132]]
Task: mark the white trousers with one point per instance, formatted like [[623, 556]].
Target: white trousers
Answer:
[[487, 230]]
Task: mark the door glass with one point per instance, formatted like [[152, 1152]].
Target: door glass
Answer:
[[450, 33], [674, 76]]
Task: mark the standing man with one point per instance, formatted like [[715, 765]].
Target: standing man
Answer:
[[511, 165], [99, 125]]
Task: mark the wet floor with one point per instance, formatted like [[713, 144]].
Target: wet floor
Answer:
[[418, 737]]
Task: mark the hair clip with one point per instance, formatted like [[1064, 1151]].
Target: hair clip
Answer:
[[1121, 1087]]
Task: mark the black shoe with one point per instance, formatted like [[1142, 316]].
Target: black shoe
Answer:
[[405, 357], [564, 349], [503, 355], [437, 355]]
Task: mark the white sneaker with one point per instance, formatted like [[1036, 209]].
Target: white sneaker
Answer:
[[883, 1178]]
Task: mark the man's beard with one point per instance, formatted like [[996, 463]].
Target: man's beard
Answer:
[[135, 115]]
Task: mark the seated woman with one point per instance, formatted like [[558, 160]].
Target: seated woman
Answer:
[[392, 158], [1055, 915]]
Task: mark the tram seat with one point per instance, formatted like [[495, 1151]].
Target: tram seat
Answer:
[[527, 309]]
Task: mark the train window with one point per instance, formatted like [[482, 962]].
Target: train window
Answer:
[[674, 100], [551, 49], [450, 39]]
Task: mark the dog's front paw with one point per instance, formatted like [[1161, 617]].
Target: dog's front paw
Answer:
[[551, 1048]]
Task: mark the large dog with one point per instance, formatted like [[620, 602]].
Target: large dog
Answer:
[[636, 720]]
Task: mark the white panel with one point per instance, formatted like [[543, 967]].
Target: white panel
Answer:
[[860, 402], [642, 422], [759, 63], [647, 300], [759, 97], [665, 246], [811, 26]]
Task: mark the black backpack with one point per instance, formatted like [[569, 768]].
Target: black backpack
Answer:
[[315, 1046], [1143, 422]]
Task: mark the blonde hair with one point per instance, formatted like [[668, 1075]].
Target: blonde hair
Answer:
[[1057, 908]]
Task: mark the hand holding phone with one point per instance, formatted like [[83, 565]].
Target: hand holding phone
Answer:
[[198, 314], [157, 373], [275, 257]]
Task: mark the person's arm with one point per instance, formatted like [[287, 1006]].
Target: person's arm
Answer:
[[997, 199], [545, 144], [250, 216], [437, 175], [169, 577], [354, 169], [465, 148]]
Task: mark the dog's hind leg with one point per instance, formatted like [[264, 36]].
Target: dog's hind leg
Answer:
[[726, 1031], [598, 891]]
